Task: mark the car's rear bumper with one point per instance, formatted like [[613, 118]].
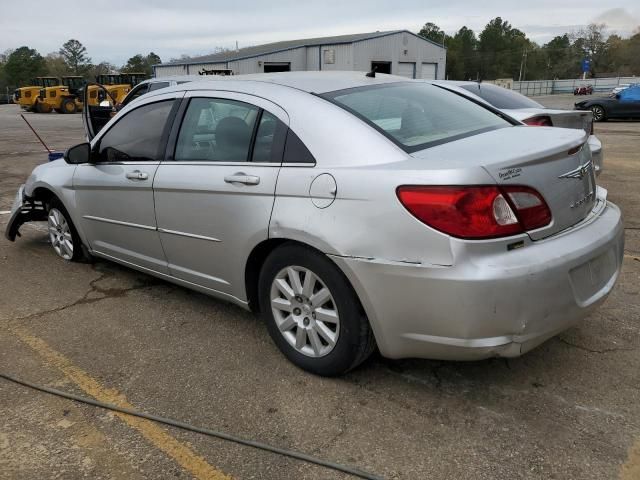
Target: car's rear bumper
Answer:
[[491, 303]]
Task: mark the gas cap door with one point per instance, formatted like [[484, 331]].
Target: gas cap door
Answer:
[[323, 190]]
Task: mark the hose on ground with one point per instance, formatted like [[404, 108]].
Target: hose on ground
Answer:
[[204, 431]]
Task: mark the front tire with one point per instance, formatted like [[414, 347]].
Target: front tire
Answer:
[[599, 114], [312, 313], [62, 234]]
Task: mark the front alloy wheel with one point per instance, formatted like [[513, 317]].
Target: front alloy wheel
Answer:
[[598, 113], [304, 311], [60, 234]]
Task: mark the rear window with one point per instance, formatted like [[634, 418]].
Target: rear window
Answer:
[[417, 115], [502, 98]]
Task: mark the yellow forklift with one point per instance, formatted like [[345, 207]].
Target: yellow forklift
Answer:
[[27, 97], [64, 98]]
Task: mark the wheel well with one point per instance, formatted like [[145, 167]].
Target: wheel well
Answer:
[[44, 195], [254, 264]]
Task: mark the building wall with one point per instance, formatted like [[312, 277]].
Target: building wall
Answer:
[[297, 58], [393, 47], [401, 47]]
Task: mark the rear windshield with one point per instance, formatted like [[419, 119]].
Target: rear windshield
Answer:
[[501, 98], [417, 115]]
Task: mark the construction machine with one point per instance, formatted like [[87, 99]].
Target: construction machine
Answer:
[[64, 98], [119, 85], [27, 96]]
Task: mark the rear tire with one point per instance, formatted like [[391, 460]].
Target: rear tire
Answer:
[[599, 113], [68, 106], [42, 108], [312, 313]]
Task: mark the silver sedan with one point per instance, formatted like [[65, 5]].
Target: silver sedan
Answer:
[[352, 212]]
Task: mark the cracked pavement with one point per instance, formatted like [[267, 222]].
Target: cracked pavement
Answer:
[[569, 409]]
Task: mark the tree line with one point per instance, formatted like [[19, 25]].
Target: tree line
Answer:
[[502, 51], [18, 67], [498, 51]]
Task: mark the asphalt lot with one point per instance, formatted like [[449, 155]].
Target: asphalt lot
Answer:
[[570, 409]]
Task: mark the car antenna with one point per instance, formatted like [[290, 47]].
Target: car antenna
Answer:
[[372, 73]]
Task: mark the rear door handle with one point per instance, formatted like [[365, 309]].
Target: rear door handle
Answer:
[[137, 175], [241, 177]]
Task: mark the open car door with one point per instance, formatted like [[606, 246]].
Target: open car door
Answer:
[[98, 108]]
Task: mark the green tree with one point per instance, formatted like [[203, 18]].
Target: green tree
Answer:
[[75, 56], [141, 63], [56, 65], [503, 51], [462, 55], [432, 32], [590, 42], [24, 64]]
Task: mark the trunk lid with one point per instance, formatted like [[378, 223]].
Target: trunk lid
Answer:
[[535, 157]]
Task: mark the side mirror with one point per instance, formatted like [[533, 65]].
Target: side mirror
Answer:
[[80, 153], [618, 96]]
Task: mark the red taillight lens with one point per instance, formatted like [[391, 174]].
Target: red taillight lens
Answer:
[[541, 121], [476, 212], [531, 209]]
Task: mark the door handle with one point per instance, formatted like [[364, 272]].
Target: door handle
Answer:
[[137, 175], [241, 177]]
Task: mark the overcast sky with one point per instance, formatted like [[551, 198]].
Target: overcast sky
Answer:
[[115, 29]]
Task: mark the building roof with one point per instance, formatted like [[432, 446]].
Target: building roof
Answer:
[[267, 48]]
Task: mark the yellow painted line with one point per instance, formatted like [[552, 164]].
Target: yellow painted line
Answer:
[[631, 468], [176, 450]]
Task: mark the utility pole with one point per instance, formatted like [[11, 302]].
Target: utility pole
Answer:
[[523, 64]]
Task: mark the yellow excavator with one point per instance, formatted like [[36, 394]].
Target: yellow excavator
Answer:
[[63, 98], [27, 97]]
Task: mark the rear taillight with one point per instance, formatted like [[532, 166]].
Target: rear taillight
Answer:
[[476, 212], [539, 121]]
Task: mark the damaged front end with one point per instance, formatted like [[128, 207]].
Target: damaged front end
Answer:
[[24, 209]]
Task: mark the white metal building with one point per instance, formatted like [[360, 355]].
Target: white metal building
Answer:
[[398, 52]]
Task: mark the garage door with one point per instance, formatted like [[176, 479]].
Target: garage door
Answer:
[[429, 71], [407, 69]]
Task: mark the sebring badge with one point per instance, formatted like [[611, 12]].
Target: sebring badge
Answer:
[[579, 172]]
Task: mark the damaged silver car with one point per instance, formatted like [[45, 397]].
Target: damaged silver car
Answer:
[[353, 212]]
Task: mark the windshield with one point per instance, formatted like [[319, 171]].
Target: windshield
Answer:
[[501, 98], [417, 115]]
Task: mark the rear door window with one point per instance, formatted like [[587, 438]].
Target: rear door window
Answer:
[[216, 130]]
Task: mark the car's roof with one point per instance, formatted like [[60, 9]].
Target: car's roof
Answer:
[[312, 82]]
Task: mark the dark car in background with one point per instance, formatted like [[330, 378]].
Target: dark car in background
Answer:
[[625, 104]]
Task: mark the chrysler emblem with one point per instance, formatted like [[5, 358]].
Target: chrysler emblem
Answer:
[[579, 172]]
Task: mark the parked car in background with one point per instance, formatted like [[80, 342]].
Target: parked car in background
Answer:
[[351, 212], [532, 113], [625, 104], [583, 90]]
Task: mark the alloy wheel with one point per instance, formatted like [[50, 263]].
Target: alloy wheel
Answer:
[[305, 311], [598, 112], [60, 234]]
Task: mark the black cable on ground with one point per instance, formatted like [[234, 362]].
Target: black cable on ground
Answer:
[[205, 431]]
